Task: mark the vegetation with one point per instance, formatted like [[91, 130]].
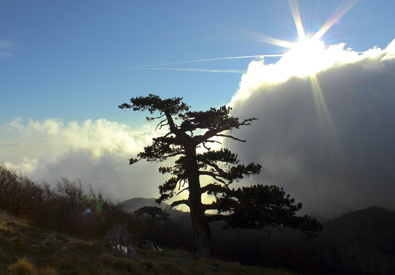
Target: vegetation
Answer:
[[27, 249], [358, 243], [156, 213], [66, 208], [255, 207]]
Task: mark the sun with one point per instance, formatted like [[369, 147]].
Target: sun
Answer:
[[308, 53]]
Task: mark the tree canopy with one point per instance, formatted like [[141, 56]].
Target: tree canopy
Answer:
[[156, 213], [254, 207]]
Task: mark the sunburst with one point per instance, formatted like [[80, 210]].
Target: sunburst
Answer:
[[307, 40], [310, 56]]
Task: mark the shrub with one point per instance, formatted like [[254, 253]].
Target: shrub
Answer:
[[22, 267]]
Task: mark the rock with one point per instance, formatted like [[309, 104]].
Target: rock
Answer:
[[120, 241]]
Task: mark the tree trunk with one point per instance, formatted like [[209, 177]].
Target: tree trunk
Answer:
[[200, 228], [201, 234]]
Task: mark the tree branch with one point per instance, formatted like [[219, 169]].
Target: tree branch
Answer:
[[213, 175], [214, 188], [212, 206], [177, 203], [215, 166], [160, 124], [229, 136], [186, 188]]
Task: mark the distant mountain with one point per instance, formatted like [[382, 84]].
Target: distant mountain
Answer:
[[373, 227], [136, 203]]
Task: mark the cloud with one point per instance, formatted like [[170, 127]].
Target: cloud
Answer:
[[96, 152], [326, 135]]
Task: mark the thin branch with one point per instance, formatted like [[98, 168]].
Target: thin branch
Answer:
[[177, 203], [168, 134], [175, 154], [204, 145], [229, 136], [213, 175], [213, 186], [215, 166], [160, 125], [186, 188], [247, 120], [213, 141], [153, 118]]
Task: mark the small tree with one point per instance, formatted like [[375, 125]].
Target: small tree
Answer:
[[156, 213], [250, 207]]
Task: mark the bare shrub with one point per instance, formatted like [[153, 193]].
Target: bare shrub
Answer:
[[19, 194]]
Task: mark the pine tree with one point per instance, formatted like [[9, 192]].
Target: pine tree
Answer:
[[253, 207]]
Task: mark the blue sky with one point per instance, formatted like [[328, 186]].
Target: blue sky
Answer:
[[76, 59], [65, 66]]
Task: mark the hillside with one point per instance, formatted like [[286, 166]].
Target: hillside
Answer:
[[61, 231], [28, 249], [373, 229]]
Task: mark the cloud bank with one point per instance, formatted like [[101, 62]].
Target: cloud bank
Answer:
[[326, 127], [96, 152]]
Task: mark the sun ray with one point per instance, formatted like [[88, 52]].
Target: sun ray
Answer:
[[269, 40], [345, 6], [293, 4], [328, 132], [307, 51]]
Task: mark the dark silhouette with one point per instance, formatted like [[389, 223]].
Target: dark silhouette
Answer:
[[250, 207], [156, 213]]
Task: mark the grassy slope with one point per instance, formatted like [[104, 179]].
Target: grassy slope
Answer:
[[47, 252]]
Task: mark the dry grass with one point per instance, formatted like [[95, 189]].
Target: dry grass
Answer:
[[25, 249], [22, 267]]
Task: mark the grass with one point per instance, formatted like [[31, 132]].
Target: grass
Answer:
[[27, 249]]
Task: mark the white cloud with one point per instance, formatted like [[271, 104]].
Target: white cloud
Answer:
[[96, 152], [324, 134], [51, 139]]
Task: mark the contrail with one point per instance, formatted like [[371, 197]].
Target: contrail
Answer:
[[196, 70], [213, 59]]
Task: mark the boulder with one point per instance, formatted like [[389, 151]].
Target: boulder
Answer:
[[120, 241]]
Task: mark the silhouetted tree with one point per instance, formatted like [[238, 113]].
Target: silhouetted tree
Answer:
[[156, 213], [250, 207]]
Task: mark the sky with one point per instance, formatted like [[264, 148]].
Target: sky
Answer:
[[318, 75]]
